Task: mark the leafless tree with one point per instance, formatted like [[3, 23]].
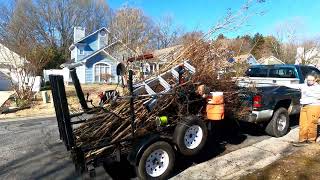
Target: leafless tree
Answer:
[[190, 37], [166, 33], [51, 22], [23, 68], [132, 27], [290, 30], [54, 20], [218, 55], [288, 33], [22, 50], [311, 54]]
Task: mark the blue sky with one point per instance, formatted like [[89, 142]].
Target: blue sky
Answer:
[[203, 14]]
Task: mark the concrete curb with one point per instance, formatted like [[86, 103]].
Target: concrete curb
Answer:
[[243, 161], [26, 118]]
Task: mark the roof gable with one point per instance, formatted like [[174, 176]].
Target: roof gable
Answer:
[[243, 58], [88, 36], [270, 60], [102, 50], [10, 57], [313, 49], [88, 58], [311, 53]]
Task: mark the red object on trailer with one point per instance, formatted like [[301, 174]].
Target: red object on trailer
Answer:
[[141, 57]]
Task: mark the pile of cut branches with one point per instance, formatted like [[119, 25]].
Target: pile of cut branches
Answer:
[[113, 123]]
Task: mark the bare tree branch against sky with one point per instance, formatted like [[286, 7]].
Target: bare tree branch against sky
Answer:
[[202, 14]]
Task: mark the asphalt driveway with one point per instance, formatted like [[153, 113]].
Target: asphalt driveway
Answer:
[[30, 149]]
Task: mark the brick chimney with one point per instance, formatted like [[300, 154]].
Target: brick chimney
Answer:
[[299, 55], [78, 33]]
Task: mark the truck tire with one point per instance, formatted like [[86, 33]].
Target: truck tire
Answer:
[[279, 124], [156, 161], [190, 135]]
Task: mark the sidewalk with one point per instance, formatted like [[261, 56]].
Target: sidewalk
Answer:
[[244, 161], [38, 109]]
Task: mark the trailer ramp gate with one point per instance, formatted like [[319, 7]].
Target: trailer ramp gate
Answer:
[[62, 111]]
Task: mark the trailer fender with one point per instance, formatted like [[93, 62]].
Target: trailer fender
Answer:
[[139, 147]]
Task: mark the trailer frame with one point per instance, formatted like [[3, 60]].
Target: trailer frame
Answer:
[[137, 144]]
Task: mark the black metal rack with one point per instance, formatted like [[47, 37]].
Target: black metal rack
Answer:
[[63, 116]]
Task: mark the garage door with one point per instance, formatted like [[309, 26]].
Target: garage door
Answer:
[[4, 82]]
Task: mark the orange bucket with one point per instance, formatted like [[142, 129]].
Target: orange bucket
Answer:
[[215, 111], [216, 98]]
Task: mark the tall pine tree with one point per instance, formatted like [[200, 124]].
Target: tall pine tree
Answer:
[[257, 44]]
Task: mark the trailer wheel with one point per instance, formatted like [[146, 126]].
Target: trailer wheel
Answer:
[[279, 124], [190, 136], [156, 161]]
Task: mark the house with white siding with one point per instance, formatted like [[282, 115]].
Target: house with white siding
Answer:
[[9, 61], [244, 58], [270, 60], [99, 66], [309, 57]]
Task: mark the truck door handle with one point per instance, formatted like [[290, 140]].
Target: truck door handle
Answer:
[[274, 81]]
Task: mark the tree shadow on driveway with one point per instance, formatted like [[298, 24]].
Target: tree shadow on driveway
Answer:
[[40, 164]]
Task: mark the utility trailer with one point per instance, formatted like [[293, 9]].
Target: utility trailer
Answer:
[[152, 155]]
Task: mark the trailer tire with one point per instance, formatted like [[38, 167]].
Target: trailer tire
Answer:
[[279, 123], [190, 135], [156, 162]]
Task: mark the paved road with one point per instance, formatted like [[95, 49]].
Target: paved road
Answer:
[[31, 149]]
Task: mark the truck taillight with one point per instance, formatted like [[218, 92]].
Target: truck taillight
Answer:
[[257, 101]]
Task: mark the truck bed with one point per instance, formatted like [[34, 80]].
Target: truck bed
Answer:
[[272, 97], [265, 81]]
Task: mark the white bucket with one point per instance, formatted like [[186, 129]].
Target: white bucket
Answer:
[[216, 98], [216, 93]]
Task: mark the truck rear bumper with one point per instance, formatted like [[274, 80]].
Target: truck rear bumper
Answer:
[[259, 116]]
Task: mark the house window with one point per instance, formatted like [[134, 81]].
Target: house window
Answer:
[[103, 33], [102, 72], [81, 51]]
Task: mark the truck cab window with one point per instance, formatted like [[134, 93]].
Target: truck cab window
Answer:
[[305, 70], [257, 72], [282, 73], [313, 69]]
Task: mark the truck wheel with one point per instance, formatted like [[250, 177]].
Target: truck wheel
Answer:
[[156, 161], [190, 135], [279, 124]]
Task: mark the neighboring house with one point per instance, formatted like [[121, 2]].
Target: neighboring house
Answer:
[[163, 56], [270, 60], [151, 63], [92, 50], [229, 64], [245, 58], [309, 57], [5, 82], [9, 60]]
